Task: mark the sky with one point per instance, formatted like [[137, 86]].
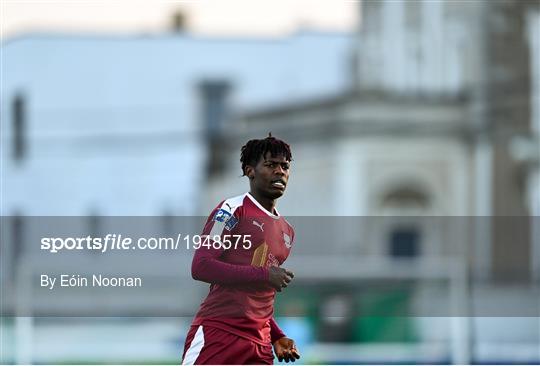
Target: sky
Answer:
[[209, 17]]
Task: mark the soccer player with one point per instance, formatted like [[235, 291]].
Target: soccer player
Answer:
[[247, 241]]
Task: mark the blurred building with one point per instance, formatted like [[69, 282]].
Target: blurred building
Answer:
[[440, 135], [427, 129], [487, 53], [415, 177], [95, 126], [117, 125]]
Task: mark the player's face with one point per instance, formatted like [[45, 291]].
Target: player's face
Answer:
[[271, 175]]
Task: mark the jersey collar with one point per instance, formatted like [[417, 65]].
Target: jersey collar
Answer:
[[262, 208]]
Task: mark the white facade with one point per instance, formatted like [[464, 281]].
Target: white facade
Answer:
[[415, 47], [113, 124]]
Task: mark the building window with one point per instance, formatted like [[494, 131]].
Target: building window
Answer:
[[214, 100], [17, 232], [214, 94], [404, 242], [19, 119], [406, 205]]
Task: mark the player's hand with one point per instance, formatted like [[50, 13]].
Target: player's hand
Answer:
[[279, 278], [285, 350]]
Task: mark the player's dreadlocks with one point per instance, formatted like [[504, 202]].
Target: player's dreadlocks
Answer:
[[252, 151]]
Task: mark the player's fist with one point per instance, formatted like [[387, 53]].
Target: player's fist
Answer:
[[279, 278], [285, 350]]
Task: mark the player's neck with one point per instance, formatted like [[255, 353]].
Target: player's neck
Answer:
[[268, 203]]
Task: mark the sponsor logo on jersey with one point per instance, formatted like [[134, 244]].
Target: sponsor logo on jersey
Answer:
[[222, 215], [226, 218], [287, 240], [272, 261], [231, 223], [260, 255], [259, 225]]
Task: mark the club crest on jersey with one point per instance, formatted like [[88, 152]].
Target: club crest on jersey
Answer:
[[226, 218], [287, 240]]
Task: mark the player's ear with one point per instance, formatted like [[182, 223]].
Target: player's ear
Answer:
[[250, 172]]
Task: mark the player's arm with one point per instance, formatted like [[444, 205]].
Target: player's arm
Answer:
[[207, 265], [284, 347], [275, 331]]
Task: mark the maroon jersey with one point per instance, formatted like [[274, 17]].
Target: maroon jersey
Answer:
[[244, 240]]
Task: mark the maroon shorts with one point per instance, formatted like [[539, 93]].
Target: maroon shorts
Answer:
[[212, 346]]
